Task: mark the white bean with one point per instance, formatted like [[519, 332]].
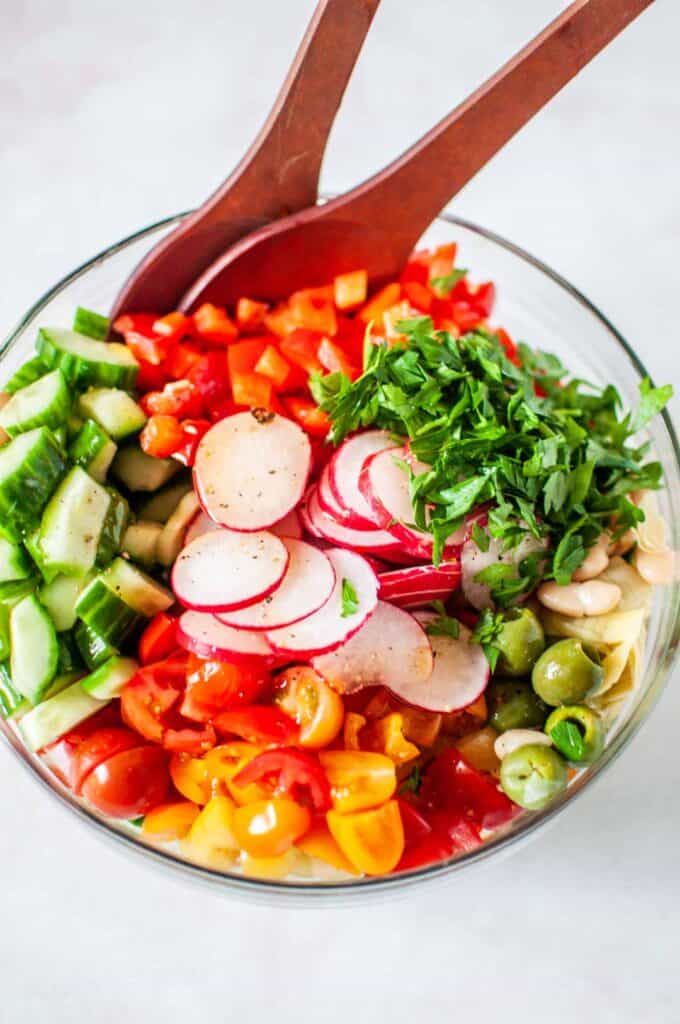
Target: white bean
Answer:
[[595, 562], [594, 597], [513, 739], [623, 545], [655, 567]]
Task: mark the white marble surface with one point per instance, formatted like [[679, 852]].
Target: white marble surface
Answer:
[[114, 114]]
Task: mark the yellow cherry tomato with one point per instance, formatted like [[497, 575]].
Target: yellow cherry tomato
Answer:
[[354, 723], [292, 861], [358, 778], [170, 821], [225, 761], [373, 841], [270, 827], [211, 839], [307, 698], [319, 843], [386, 736], [190, 776]]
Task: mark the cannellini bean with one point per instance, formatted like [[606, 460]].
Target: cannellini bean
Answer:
[[594, 597], [655, 567], [595, 562], [513, 739], [623, 544]]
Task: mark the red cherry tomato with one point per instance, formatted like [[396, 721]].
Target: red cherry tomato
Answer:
[[294, 772], [258, 724], [60, 756], [129, 783], [214, 686], [159, 639], [102, 744]]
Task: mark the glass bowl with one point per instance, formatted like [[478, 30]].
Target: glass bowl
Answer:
[[536, 305]]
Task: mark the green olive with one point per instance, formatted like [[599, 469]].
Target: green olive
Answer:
[[520, 641], [577, 732], [533, 775], [566, 673], [514, 705]]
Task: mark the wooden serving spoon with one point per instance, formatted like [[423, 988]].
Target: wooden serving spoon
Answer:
[[377, 224], [280, 171]]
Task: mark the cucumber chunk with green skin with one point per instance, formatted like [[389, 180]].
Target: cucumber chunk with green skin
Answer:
[[91, 324], [160, 506], [141, 542], [62, 681], [14, 562], [16, 590], [142, 472], [114, 410], [93, 450], [107, 614], [108, 680], [69, 658], [60, 596], [27, 374], [54, 717], [32, 543], [86, 362], [61, 437], [93, 647], [31, 466], [11, 702], [138, 590], [72, 524], [34, 649], [113, 530], [45, 403], [73, 425]]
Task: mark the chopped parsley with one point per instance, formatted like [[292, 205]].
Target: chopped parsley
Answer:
[[350, 601], [443, 624], [568, 739], [443, 286], [413, 781], [549, 455], [485, 632]]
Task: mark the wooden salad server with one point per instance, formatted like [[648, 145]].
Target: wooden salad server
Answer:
[[376, 225], [280, 172]]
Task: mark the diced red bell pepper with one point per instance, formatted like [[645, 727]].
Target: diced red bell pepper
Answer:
[[138, 331], [465, 316], [252, 389], [418, 295], [443, 260], [159, 639], [242, 356], [210, 377], [300, 347], [179, 398], [250, 314], [418, 268], [192, 432], [258, 724], [182, 359], [381, 301], [416, 826], [214, 325], [451, 784], [297, 773], [508, 345], [483, 298], [152, 378], [173, 327], [313, 310], [349, 290], [333, 359], [273, 365], [162, 436], [430, 850], [280, 320], [308, 415]]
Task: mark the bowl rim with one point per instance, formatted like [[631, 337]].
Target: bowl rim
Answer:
[[504, 841]]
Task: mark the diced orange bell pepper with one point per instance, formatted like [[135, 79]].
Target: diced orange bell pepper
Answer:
[[373, 841], [161, 436], [190, 777], [443, 260], [252, 389], [211, 840], [308, 415], [300, 347], [170, 821], [313, 312], [319, 843], [273, 365], [359, 779], [333, 359], [268, 828], [213, 324], [349, 290], [418, 295], [382, 300], [173, 327], [386, 736], [250, 314], [354, 723]]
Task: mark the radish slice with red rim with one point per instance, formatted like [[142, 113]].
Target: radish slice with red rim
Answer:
[[460, 675], [390, 649], [321, 524], [289, 526], [251, 469], [224, 570], [206, 636], [200, 525], [307, 585], [334, 622], [328, 502], [473, 561], [420, 584], [343, 475]]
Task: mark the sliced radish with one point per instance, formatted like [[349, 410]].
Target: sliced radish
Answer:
[[251, 469], [391, 649], [327, 628], [307, 585], [473, 560], [289, 526], [420, 584], [199, 525], [206, 636], [385, 486], [320, 524], [460, 674], [329, 504], [343, 475], [223, 570]]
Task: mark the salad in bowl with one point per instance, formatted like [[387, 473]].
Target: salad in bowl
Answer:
[[344, 587]]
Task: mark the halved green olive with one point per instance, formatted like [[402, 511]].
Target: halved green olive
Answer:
[[577, 732], [566, 673], [513, 705], [520, 642], [533, 776]]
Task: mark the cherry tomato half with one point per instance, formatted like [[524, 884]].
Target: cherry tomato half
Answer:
[[129, 783]]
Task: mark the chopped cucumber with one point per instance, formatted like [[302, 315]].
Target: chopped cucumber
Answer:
[[73, 425], [61, 437], [172, 538], [113, 530], [93, 325], [142, 472], [72, 524], [34, 549], [86, 362], [107, 681], [93, 450], [14, 562], [113, 410], [4, 633], [54, 717], [16, 590], [35, 651], [27, 374], [11, 702], [93, 647], [60, 596], [141, 541], [137, 589], [45, 403], [115, 601], [69, 658], [62, 681], [30, 468], [160, 506]]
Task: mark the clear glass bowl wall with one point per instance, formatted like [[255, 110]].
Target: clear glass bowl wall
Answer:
[[535, 305]]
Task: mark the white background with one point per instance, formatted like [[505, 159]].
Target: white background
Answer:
[[113, 114]]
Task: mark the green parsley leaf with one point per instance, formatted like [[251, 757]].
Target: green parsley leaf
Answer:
[[413, 781], [350, 601], [443, 286], [652, 401], [444, 624], [568, 739], [485, 632], [480, 537]]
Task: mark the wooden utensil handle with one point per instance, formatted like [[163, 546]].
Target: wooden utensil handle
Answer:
[[414, 188]]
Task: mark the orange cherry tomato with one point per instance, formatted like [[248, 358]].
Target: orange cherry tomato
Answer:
[[159, 639], [386, 736], [373, 841], [211, 840], [307, 698], [226, 761], [170, 821], [354, 723], [319, 843], [270, 827], [358, 779], [190, 777]]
